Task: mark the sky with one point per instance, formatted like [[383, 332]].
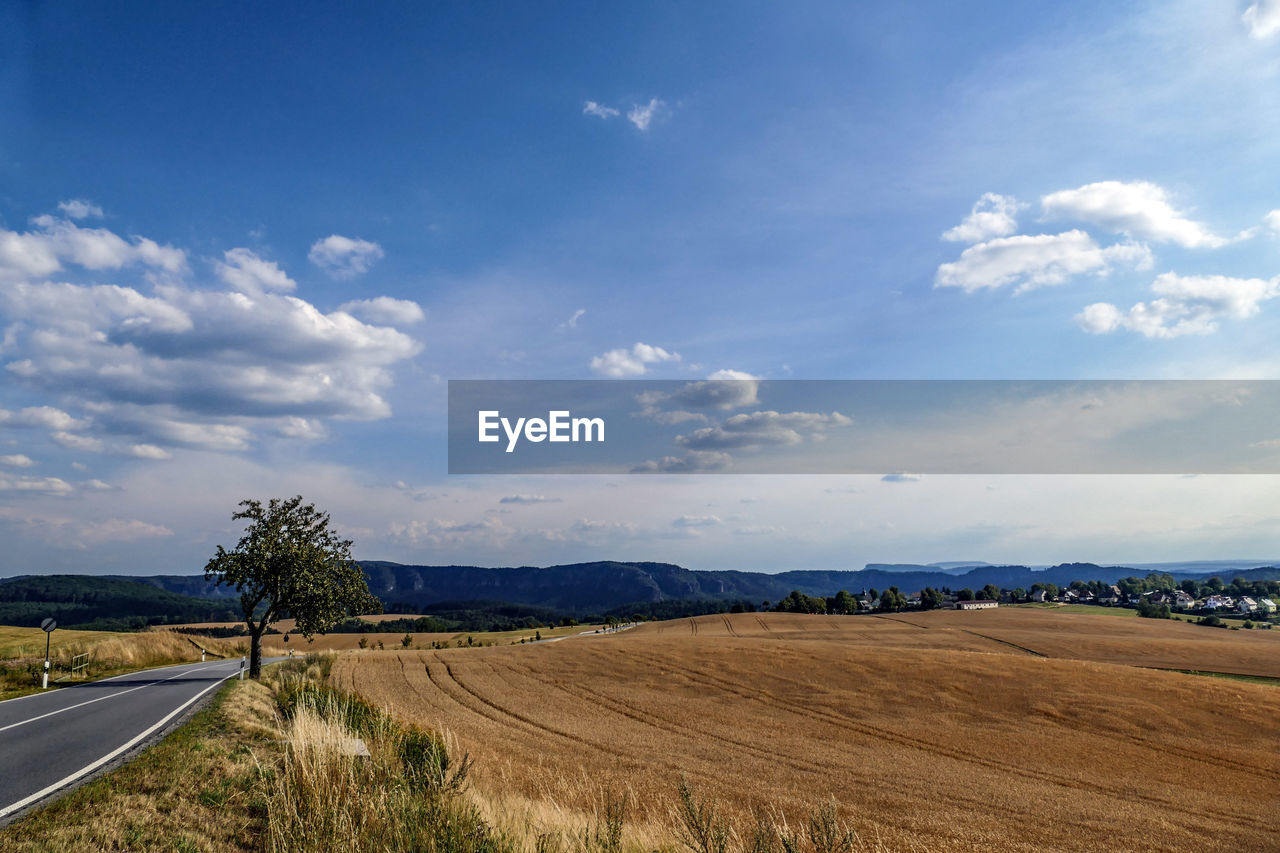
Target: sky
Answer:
[[243, 250]]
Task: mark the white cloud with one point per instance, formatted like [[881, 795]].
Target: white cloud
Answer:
[[386, 310], [45, 485], [1263, 18], [96, 486], [41, 416], [727, 373], [344, 257], [591, 108], [17, 460], [901, 477], [1185, 305], [188, 363], [1138, 209], [993, 215], [86, 443], [643, 115], [78, 208], [762, 429], [1036, 261], [251, 275], [121, 530], [42, 252], [528, 499], [632, 362], [149, 451], [572, 322], [696, 521], [692, 462], [1272, 220]]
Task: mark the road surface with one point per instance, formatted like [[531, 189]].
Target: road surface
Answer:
[[53, 740]]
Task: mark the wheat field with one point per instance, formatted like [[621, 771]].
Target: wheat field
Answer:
[[1008, 729]]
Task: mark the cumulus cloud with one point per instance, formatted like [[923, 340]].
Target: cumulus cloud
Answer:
[[591, 108], [1185, 305], [1036, 261], [695, 461], [528, 499], [1139, 209], [42, 485], [252, 275], [185, 365], [73, 441], [78, 208], [762, 429], [344, 257], [725, 389], [1272, 221], [385, 310], [902, 477], [642, 115], [17, 460], [55, 241], [41, 416], [633, 362], [1263, 18], [993, 215]]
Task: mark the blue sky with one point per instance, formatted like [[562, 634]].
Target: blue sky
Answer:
[[242, 248]]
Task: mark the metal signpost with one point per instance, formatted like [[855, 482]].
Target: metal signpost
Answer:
[[47, 626]]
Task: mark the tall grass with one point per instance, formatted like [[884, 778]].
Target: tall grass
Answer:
[[406, 794]]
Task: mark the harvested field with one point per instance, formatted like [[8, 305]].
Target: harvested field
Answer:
[[958, 731]]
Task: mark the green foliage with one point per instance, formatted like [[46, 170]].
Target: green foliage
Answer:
[[1212, 620], [288, 560], [701, 828], [930, 598], [1153, 611], [892, 600], [102, 604]]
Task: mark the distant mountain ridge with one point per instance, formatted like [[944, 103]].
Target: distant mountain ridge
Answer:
[[600, 587]]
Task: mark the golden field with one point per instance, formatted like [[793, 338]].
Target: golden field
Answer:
[[1012, 729]]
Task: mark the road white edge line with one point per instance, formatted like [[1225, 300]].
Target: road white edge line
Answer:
[[103, 698], [13, 807]]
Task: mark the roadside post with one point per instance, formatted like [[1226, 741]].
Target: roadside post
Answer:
[[47, 625], [242, 667], [202, 656]]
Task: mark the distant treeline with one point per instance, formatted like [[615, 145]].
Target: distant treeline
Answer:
[[103, 604]]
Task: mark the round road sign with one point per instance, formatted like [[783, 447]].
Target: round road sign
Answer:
[[48, 624]]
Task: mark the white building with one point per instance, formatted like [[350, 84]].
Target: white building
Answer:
[[977, 604]]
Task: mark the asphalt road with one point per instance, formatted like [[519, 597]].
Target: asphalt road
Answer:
[[53, 740]]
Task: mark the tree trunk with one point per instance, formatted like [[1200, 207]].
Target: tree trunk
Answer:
[[255, 652]]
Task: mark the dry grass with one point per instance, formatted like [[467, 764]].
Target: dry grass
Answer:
[[22, 653], [943, 730]]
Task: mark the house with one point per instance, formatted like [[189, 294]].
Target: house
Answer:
[[1070, 596], [1217, 602], [1246, 604], [1183, 600], [1038, 595], [976, 604], [1086, 596], [1110, 595], [1266, 605]]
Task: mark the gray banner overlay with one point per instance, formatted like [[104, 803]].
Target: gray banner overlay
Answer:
[[884, 427]]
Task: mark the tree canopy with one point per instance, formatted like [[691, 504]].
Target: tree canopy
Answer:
[[289, 562]]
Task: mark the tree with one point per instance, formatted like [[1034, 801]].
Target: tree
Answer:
[[965, 594], [290, 562], [843, 603], [991, 592], [930, 599], [892, 600]]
